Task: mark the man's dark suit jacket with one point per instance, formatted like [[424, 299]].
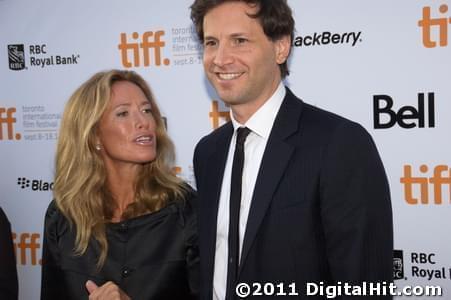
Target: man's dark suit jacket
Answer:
[[8, 272], [320, 210]]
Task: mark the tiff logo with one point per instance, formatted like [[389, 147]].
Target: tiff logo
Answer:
[[150, 40], [441, 177], [9, 120], [26, 245], [441, 24], [216, 115]]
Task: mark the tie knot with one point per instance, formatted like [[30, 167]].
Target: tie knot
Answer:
[[242, 134]]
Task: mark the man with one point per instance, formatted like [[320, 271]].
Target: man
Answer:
[[313, 199], [8, 272]]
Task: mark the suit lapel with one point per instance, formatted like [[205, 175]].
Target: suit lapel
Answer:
[[212, 186], [275, 159]]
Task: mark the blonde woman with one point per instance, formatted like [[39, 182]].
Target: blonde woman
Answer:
[[121, 225]]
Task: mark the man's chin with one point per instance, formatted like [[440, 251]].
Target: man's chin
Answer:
[[228, 97], [229, 101]]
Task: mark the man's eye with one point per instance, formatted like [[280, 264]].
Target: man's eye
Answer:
[[210, 43], [241, 40]]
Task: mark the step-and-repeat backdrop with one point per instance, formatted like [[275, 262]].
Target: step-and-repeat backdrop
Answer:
[[385, 64]]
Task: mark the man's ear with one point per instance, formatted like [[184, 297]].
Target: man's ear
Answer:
[[283, 46]]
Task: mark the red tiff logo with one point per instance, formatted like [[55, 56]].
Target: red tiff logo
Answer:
[[9, 121], [133, 51], [217, 115], [417, 188], [26, 246], [427, 23]]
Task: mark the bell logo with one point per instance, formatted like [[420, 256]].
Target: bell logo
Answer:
[[216, 114], [9, 120], [441, 177], [150, 40], [427, 23], [407, 116]]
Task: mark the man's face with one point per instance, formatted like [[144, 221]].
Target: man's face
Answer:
[[240, 61]]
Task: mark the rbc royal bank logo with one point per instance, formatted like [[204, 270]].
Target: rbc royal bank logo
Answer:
[[398, 265], [16, 57]]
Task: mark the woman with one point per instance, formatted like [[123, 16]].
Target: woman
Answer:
[[122, 224]]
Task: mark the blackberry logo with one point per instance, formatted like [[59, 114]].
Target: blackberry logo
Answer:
[[398, 265], [23, 182], [16, 57], [327, 38], [35, 184]]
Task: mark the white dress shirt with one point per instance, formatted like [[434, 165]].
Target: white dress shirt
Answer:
[[260, 124]]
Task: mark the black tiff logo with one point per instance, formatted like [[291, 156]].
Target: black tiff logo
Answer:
[[16, 57], [23, 182], [398, 265]]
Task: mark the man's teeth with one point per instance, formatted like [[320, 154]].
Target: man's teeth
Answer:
[[228, 76]]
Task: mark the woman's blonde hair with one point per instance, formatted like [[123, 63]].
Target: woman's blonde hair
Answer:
[[80, 188]]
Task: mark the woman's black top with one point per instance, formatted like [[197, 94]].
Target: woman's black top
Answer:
[[153, 256], [8, 271]]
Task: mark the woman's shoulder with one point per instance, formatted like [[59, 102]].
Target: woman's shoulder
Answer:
[[184, 203], [55, 222], [53, 212], [188, 200], [188, 219]]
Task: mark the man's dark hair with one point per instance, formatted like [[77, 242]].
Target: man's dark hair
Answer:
[[274, 15]]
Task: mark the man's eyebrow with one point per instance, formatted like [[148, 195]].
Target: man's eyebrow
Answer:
[[238, 34], [208, 37], [232, 35]]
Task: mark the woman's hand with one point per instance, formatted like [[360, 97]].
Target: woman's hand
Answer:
[[108, 291]]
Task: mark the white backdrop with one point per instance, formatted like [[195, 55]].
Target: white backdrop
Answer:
[[48, 48]]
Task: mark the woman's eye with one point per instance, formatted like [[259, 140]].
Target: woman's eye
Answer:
[[122, 114]]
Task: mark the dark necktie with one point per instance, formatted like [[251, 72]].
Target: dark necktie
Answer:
[[234, 217]]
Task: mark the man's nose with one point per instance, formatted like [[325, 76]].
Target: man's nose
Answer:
[[223, 55]]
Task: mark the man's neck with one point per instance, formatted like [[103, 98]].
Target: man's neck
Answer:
[[243, 112]]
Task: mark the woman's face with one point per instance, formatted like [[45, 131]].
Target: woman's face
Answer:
[[127, 128]]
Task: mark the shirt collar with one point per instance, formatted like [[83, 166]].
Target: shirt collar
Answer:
[[262, 120]]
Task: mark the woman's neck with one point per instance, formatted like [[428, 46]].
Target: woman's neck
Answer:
[[121, 184]]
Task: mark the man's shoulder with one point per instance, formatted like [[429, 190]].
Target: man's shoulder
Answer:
[[217, 134], [324, 123], [312, 111]]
